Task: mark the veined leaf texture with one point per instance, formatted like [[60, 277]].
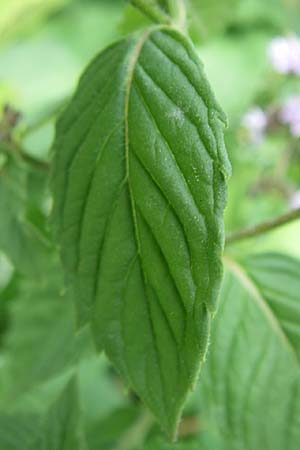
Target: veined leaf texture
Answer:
[[139, 182], [250, 385]]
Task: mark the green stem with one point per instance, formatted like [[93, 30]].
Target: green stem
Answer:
[[50, 115], [152, 10], [28, 159], [34, 162], [263, 227], [177, 10]]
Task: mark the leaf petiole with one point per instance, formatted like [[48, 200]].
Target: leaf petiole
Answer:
[[152, 11], [178, 13]]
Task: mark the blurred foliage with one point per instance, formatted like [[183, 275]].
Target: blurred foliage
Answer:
[[19, 17], [49, 373]]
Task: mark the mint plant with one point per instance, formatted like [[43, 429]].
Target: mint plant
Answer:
[[132, 268], [139, 192]]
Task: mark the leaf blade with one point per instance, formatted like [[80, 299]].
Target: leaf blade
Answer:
[[154, 163], [250, 384], [62, 426]]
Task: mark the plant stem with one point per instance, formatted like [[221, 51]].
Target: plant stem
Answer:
[[178, 13], [34, 162], [28, 159], [152, 10], [51, 114], [263, 227]]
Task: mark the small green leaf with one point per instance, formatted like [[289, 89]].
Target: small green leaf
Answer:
[[20, 239], [40, 341], [139, 184], [250, 386], [62, 427]]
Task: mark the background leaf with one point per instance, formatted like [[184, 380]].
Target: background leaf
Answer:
[[20, 239], [62, 427], [250, 383], [41, 341], [18, 431]]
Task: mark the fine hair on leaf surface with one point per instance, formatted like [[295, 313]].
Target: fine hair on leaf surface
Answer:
[[129, 320], [139, 183]]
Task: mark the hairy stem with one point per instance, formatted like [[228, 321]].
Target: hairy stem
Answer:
[[152, 10], [263, 227]]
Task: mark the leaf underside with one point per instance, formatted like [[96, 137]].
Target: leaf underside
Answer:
[[139, 184]]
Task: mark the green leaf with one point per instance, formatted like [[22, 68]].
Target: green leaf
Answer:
[[251, 383], [20, 239], [62, 428], [107, 434], [7, 294], [139, 191], [100, 390], [18, 431], [40, 341], [202, 442]]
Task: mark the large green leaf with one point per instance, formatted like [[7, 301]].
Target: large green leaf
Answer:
[[139, 191], [251, 382]]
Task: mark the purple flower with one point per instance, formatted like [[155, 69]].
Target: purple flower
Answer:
[[255, 121], [295, 200], [284, 54], [290, 114]]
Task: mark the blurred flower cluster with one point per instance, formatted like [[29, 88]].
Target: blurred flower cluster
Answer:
[[255, 121], [284, 56], [295, 200], [279, 108], [290, 114]]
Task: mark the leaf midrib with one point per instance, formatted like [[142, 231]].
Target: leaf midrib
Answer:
[[130, 75]]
